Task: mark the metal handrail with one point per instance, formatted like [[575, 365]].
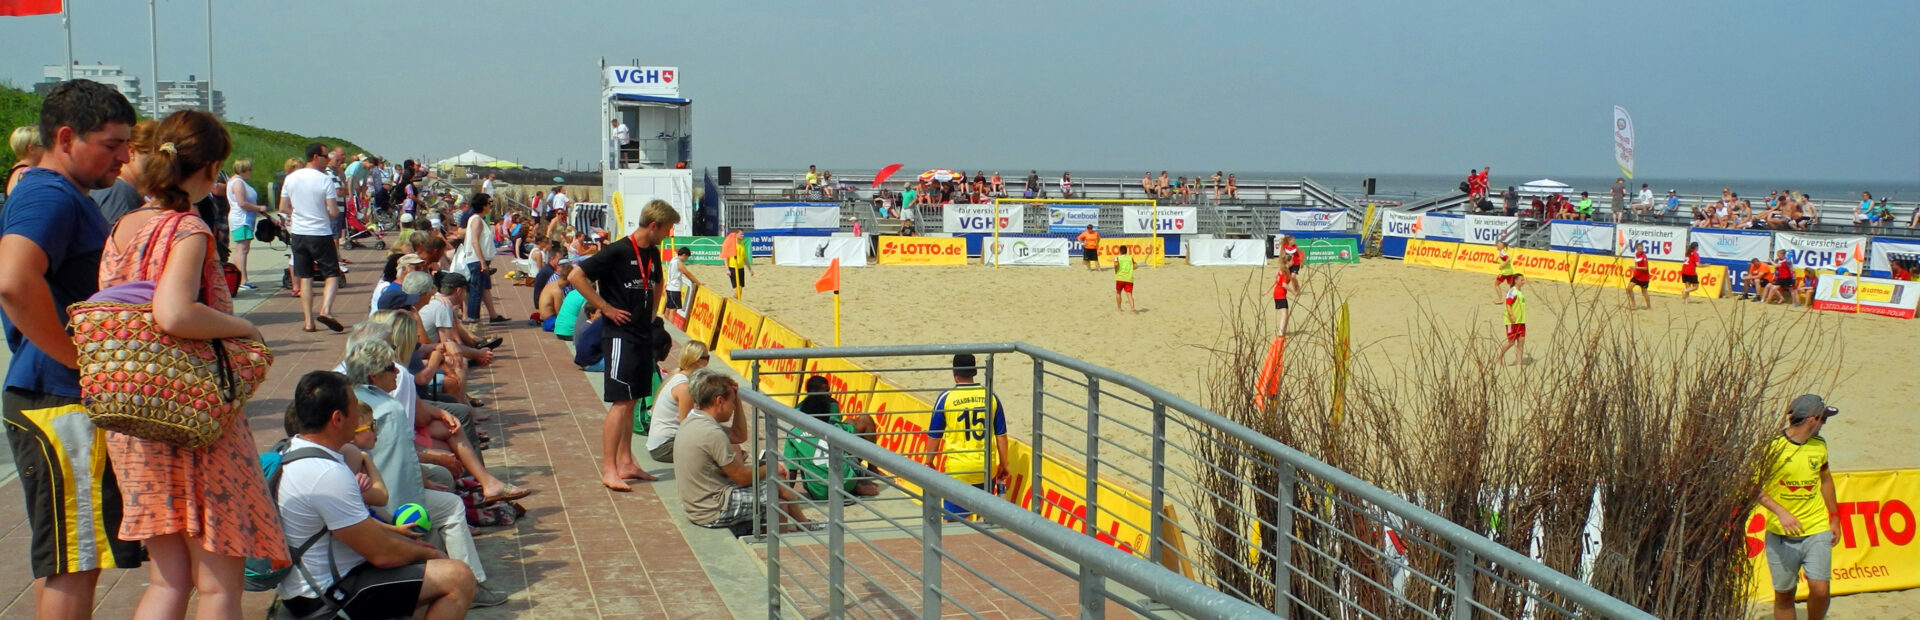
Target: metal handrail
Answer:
[[1466, 541], [1165, 586]]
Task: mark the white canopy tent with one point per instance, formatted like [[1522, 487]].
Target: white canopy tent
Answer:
[[1544, 187], [474, 158]]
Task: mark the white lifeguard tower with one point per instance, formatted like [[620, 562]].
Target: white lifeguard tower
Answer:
[[657, 160]]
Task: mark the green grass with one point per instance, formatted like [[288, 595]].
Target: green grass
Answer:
[[267, 148]]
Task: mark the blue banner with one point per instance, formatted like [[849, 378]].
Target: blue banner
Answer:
[[1071, 219]]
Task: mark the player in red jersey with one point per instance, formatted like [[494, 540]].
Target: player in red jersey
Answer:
[[1642, 278], [1690, 273], [1282, 282]]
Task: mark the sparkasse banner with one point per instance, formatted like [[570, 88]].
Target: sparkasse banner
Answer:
[[968, 219], [1148, 220]]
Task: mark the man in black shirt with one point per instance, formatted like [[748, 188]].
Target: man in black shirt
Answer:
[[624, 281]]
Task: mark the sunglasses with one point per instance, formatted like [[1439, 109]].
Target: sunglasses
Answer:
[[364, 429]]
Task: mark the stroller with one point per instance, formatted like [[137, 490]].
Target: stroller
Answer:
[[362, 223]]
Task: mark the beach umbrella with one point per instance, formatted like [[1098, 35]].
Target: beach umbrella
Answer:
[[884, 174], [1545, 186], [940, 174]]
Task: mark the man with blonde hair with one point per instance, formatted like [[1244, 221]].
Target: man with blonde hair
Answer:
[[624, 281]]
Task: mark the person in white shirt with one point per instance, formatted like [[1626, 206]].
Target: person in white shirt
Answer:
[[1643, 202], [476, 257], [308, 199], [557, 203], [621, 138], [384, 571], [242, 215], [677, 279], [486, 186]]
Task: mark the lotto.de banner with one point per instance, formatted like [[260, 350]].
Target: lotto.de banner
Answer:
[[922, 251]]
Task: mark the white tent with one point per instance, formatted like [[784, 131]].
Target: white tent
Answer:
[[1545, 186], [474, 158]]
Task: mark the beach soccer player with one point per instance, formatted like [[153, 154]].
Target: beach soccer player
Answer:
[[1781, 288], [1798, 494], [739, 264], [1504, 280], [630, 283], [1642, 278], [1690, 273], [1516, 322], [1295, 258], [1090, 250], [1123, 279], [963, 418], [1283, 280]]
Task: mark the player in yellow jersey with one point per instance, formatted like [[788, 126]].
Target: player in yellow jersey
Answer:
[[1123, 279], [1516, 315], [1798, 493], [1505, 279], [963, 418]]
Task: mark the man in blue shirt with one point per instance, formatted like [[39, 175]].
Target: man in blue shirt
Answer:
[[51, 236]]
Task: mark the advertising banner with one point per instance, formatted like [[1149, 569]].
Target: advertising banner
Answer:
[[1313, 220], [1478, 258], [1401, 224], [1146, 220], [1030, 251], [739, 329], [779, 379], [1149, 251], [922, 251], [706, 250], [1894, 298], [703, 316], [1822, 251], [1328, 250], [1122, 522], [1666, 278], [962, 219], [1583, 237], [1885, 250], [796, 217], [1431, 253], [1226, 252], [851, 385], [1543, 265], [1875, 550], [1443, 226], [1488, 229], [819, 251], [1071, 219], [1732, 247], [902, 419], [1595, 270], [1660, 242]]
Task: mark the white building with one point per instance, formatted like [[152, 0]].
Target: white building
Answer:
[[191, 94], [111, 75]]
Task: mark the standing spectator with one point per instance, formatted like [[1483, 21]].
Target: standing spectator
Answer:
[[1516, 317], [1617, 196], [193, 545], [387, 573], [122, 197], [719, 486], [1213, 185], [243, 215], [27, 152], [475, 256], [678, 279], [486, 186], [622, 138], [630, 283], [1090, 248], [1510, 202], [1798, 494], [308, 198], [51, 236], [963, 419], [1123, 279], [558, 202]]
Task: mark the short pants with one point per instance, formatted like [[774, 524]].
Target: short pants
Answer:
[[62, 460], [1788, 555], [371, 591], [1505, 279], [1122, 287], [1280, 303], [673, 300], [737, 276], [1642, 284], [739, 507], [1688, 278], [1091, 255], [314, 257], [1516, 331], [630, 369], [242, 233]]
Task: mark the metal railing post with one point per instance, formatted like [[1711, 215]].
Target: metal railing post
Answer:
[[1156, 546], [770, 527], [987, 476], [836, 531], [1283, 543], [932, 515], [1092, 604], [1462, 582], [1039, 401]]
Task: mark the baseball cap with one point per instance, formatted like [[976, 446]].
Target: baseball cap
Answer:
[[395, 299], [1808, 405], [411, 259]]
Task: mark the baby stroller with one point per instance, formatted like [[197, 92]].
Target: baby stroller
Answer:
[[362, 224]]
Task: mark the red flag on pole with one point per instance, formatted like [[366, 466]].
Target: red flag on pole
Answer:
[[829, 281], [29, 7]]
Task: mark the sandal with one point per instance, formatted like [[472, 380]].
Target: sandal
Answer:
[[331, 323]]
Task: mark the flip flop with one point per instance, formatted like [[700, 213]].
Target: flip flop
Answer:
[[331, 323], [491, 343], [512, 493]]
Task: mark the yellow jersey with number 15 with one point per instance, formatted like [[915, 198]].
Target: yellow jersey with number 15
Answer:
[[966, 419]]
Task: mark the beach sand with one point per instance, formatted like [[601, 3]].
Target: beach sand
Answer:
[[1071, 311]]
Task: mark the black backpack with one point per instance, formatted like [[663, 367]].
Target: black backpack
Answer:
[[259, 574]]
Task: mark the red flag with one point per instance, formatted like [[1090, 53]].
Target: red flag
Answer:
[[29, 7], [829, 281], [730, 245]]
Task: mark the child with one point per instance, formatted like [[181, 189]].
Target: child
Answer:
[[1516, 317], [1123, 280], [1783, 285], [678, 277], [1642, 278]]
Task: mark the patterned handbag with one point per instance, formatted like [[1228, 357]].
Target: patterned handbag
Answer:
[[137, 380]]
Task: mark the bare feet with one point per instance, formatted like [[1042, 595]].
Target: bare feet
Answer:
[[633, 472], [614, 484]]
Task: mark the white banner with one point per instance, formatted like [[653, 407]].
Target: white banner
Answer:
[[962, 219], [1164, 220], [1894, 298], [1443, 226], [796, 216], [1402, 224], [1571, 236], [1313, 220], [1733, 245], [1883, 251], [1212, 252], [1071, 219], [1623, 141], [1660, 242], [1824, 252], [1033, 251], [1487, 229], [819, 251]]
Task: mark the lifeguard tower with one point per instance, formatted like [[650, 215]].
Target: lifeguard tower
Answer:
[[656, 162]]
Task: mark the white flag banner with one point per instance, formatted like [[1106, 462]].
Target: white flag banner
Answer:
[[1660, 242], [1623, 141], [1487, 229], [796, 217], [963, 219], [1163, 220], [819, 251], [1217, 252], [1444, 226], [1313, 220], [1402, 224]]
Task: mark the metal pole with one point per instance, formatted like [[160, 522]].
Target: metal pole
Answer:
[[987, 446], [1092, 585], [1462, 583], [769, 515], [1034, 497], [836, 531], [1283, 543], [1156, 546], [931, 515], [66, 23], [210, 108], [153, 31]]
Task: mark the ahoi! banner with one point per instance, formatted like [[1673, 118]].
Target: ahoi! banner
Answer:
[[1659, 242], [796, 217], [1733, 247]]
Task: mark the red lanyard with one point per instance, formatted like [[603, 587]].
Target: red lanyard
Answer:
[[640, 261]]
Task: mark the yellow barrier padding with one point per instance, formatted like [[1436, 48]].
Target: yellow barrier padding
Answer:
[[1431, 253], [1478, 258], [1876, 551], [739, 329], [778, 378], [1666, 278], [922, 251], [1543, 265], [704, 316], [1148, 251], [1595, 270]]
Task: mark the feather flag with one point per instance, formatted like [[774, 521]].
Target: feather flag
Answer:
[[21, 8], [1623, 141]]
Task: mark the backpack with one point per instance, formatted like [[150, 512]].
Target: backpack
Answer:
[[259, 574]]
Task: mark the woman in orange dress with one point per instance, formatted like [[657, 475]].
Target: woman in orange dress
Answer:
[[200, 512]]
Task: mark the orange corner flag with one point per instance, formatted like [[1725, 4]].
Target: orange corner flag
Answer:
[[829, 281], [29, 7], [730, 245]]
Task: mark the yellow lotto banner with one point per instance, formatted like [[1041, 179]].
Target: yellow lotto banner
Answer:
[[851, 385], [1478, 258], [1149, 251], [921, 251], [1123, 519], [1543, 265], [739, 329], [1595, 270], [1876, 550], [704, 316], [778, 378], [1431, 253], [902, 419], [1666, 278]]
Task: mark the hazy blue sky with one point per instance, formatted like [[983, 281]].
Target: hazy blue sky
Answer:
[[1800, 90]]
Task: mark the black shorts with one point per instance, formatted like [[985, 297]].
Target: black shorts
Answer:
[[73, 499], [1688, 278], [371, 592], [1091, 255], [314, 258], [1293, 269], [1785, 283], [1279, 304], [630, 369], [1642, 284], [673, 300], [737, 276]]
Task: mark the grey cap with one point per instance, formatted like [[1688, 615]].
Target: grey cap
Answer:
[[1808, 405]]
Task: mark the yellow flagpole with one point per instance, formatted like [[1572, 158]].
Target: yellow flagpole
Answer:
[[836, 317]]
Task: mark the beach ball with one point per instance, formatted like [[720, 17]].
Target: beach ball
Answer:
[[413, 515]]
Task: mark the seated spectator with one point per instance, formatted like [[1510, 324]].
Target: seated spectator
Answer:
[[1754, 280], [552, 296], [1804, 289], [550, 260], [907, 229], [1066, 185], [1805, 216], [1643, 202], [718, 486], [1537, 208], [1146, 184], [1233, 187], [397, 266], [883, 203], [385, 573], [1673, 203], [1583, 209], [809, 453], [588, 352], [568, 316], [998, 185], [436, 320], [671, 404]]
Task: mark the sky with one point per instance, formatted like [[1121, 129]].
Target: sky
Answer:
[[1750, 90]]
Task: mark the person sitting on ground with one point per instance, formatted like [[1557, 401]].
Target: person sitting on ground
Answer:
[[1754, 280], [432, 251], [1804, 289], [907, 229], [386, 572], [589, 352], [398, 265], [567, 318], [552, 297], [671, 404], [809, 453], [436, 320], [719, 486]]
